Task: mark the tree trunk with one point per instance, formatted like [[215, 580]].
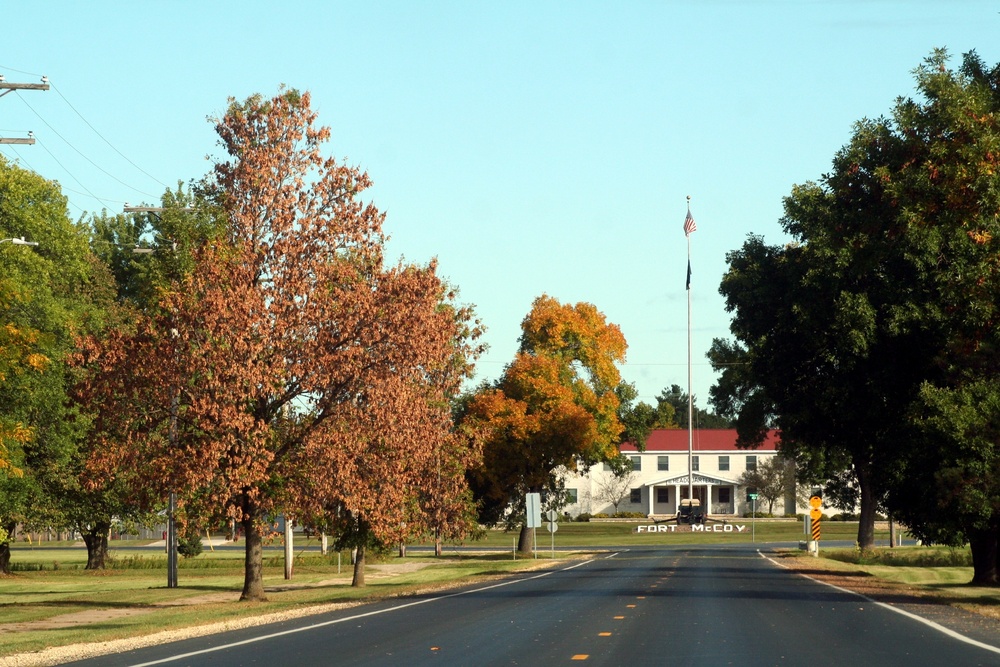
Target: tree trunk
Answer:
[[96, 540], [866, 522], [438, 546], [253, 568], [5, 548], [983, 545], [359, 568], [526, 541]]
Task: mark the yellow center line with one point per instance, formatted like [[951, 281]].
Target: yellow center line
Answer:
[[580, 656], [603, 634]]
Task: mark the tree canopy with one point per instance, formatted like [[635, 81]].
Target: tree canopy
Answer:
[[49, 294], [290, 370], [555, 405], [865, 339]]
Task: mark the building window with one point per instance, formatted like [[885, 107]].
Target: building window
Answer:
[[663, 463], [724, 494], [723, 463], [751, 463], [636, 462], [662, 494], [695, 465], [570, 496], [636, 496]]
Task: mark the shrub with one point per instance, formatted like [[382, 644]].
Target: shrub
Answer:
[[582, 516], [906, 557], [189, 546], [630, 515]]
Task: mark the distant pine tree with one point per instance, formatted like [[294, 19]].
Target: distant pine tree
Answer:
[[677, 400]]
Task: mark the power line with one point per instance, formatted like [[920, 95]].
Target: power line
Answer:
[[52, 155], [104, 171], [124, 157]]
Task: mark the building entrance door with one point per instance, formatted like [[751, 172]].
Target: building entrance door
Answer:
[[700, 493]]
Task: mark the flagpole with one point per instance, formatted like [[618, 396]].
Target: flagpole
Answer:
[[687, 234]]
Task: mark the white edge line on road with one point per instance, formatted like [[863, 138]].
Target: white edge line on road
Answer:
[[940, 628], [223, 647]]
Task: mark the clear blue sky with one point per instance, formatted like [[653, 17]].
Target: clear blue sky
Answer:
[[532, 147]]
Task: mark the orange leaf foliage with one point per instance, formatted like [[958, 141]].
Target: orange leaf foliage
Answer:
[[300, 373], [554, 406]]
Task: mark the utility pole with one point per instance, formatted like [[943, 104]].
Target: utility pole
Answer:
[[10, 87]]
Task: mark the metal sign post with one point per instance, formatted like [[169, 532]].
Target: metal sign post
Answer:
[[552, 516]]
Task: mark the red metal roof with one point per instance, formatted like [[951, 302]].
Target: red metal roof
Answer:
[[702, 440]]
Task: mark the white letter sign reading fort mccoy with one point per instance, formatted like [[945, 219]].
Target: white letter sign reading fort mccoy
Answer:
[[653, 528]]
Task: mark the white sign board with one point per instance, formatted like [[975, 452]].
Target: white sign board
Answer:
[[533, 505]]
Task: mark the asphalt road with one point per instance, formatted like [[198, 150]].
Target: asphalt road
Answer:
[[683, 605]]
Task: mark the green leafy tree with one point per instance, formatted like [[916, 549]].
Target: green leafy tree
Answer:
[[148, 250], [50, 294], [638, 418], [937, 160], [867, 335], [672, 411]]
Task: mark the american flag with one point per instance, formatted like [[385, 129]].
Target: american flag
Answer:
[[689, 225]]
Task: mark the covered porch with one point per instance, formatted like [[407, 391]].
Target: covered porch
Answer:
[[717, 494]]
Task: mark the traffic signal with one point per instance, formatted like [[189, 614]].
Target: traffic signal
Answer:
[[817, 491]]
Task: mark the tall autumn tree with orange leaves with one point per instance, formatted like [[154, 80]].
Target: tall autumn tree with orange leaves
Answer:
[[555, 405], [291, 369]]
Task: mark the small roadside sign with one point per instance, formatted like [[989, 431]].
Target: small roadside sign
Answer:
[[533, 507], [815, 502], [815, 514]]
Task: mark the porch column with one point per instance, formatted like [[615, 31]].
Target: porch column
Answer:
[[652, 493], [708, 497]]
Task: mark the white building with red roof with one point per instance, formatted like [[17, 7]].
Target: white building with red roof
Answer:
[[661, 477]]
